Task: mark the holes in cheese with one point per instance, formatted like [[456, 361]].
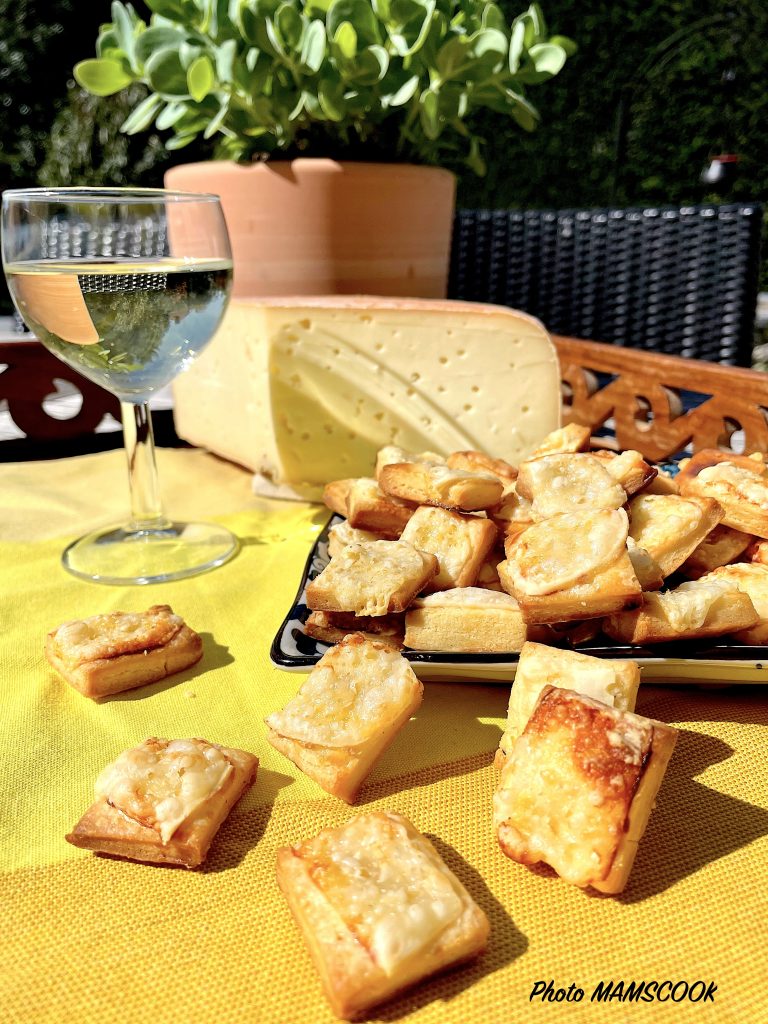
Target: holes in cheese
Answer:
[[570, 482], [304, 391], [554, 554], [388, 885], [355, 692], [161, 783]]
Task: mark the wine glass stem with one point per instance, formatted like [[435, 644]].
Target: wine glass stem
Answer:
[[146, 506]]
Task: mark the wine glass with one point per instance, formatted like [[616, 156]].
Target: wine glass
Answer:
[[127, 286]]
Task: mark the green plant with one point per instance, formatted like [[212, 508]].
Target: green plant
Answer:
[[402, 78]]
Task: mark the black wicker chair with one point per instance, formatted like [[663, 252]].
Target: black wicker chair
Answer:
[[680, 280]]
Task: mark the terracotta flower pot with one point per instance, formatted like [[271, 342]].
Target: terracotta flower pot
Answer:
[[315, 227]]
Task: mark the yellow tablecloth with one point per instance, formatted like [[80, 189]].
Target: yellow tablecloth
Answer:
[[86, 938]]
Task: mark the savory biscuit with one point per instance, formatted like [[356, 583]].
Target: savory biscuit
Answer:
[[752, 579], [572, 566], [336, 495], [470, 619], [699, 608], [116, 651], [578, 788], [369, 509], [429, 483], [346, 713], [164, 801], [647, 569], [342, 534], [331, 627], [377, 578], [391, 455], [478, 462], [722, 545], [571, 438], [511, 511], [378, 909], [459, 542], [628, 468], [671, 527], [568, 483], [738, 482], [610, 681]]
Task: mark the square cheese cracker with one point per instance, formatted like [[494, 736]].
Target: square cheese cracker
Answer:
[[578, 788], [164, 801], [346, 713], [378, 909]]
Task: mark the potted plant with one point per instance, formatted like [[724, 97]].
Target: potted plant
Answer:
[[366, 101]]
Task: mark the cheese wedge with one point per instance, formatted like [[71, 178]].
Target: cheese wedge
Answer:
[[307, 390]]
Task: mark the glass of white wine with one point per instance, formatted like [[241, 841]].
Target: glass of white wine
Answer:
[[127, 286]]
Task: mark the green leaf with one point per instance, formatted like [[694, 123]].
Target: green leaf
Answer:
[[428, 113], [547, 57], [169, 115], [492, 17], [107, 41], [155, 38], [331, 97], [225, 61], [413, 33], [405, 93], [516, 45], [359, 14], [166, 74], [123, 27], [216, 122], [188, 54], [567, 44], [313, 46], [179, 141], [451, 56], [526, 115], [489, 42], [200, 78], [536, 16], [173, 9], [290, 25], [141, 117], [101, 77], [474, 160], [346, 40]]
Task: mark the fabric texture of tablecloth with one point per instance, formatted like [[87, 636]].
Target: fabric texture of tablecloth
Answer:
[[93, 939]]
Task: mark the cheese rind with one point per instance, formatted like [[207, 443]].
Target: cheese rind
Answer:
[[308, 390]]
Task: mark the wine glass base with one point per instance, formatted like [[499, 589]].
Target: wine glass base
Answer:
[[121, 555]]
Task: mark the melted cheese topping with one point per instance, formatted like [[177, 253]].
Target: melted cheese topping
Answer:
[[556, 553], [569, 483], [387, 884], [161, 783], [725, 480], [566, 789], [116, 633], [356, 691], [751, 578], [342, 534], [687, 607], [472, 597], [364, 576], [451, 537], [658, 521]]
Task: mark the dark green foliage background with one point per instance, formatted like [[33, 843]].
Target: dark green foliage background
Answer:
[[632, 119]]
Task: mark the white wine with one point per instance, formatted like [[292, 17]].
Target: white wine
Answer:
[[129, 325]]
